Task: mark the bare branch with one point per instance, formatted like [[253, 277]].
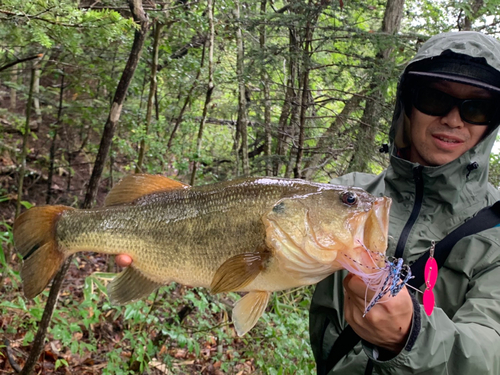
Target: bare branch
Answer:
[[18, 61]]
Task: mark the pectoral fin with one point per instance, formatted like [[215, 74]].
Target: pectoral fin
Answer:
[[238, 271], [248, 310], [130, 285]]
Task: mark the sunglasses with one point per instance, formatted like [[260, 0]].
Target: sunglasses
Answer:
[[434, 102]]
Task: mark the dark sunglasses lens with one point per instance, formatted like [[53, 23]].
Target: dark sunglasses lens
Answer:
[[437, 103], [477, 111], [432, 102]]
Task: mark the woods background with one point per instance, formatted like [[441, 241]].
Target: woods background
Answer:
[[200, 91]]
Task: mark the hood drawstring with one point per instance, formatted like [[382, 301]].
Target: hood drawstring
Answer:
[[472, 166]]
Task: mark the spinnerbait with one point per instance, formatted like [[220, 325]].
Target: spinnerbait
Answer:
[[398, 274]]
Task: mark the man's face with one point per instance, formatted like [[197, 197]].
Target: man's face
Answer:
[[437, 140]]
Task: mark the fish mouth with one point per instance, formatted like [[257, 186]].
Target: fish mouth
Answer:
[[380, 215], [376, 230], [370, 237]]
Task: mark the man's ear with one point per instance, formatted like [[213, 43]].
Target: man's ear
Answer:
[[406, 97], [402, 138]]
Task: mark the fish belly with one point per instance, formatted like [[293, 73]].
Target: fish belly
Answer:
[[274, 278]]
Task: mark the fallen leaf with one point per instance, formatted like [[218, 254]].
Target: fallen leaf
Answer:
[[181, 353]]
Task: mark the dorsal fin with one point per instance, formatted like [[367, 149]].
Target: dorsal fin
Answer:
[[138, 185]]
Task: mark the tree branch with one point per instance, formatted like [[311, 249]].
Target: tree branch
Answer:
[[18, 61], [10, 357], [35, 17]]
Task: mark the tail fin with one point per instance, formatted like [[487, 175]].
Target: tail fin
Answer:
[[35, 240]]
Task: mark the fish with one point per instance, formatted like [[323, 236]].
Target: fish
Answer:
[[256, 235]]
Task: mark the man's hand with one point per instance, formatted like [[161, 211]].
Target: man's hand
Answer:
[[387, 324], [123, 260]]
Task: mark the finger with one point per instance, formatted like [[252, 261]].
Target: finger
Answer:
[[348, 277], [348, 308], [354, 302], [357, 286], [123, 260], [353, 314]]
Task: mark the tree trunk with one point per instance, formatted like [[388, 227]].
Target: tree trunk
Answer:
[[13, 91], [285, 132], [152, 89], [469, 18], [55, 130], [210, 88], [297, 170], [242, 125], [116, 108], [267, 96], [312, 14], [309, 14], [364, 145], [26, 136], [36, 97], [291, 132]]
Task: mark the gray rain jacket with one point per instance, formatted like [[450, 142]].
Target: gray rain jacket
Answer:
[[462, 336]]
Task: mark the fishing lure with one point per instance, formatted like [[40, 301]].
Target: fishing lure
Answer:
[[397, 275], [389, 279], [430, 275]]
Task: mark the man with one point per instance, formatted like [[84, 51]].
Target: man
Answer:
[[443, 129]]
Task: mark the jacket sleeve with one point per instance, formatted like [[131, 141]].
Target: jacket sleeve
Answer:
[[467, 340], [326, 316]]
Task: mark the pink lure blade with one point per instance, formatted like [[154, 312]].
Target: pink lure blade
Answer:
[[431, 274], [428, 301]]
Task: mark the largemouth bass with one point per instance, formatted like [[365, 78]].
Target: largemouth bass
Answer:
[[255, 235]]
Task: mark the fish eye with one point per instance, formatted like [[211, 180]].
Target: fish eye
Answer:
[[279, 208], [349, 198]]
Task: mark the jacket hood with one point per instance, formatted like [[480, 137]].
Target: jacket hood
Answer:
[[474, 46]]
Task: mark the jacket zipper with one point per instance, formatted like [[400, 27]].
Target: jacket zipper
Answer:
[[419, 195]]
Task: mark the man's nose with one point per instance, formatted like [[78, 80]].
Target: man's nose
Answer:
[[452, 118]]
